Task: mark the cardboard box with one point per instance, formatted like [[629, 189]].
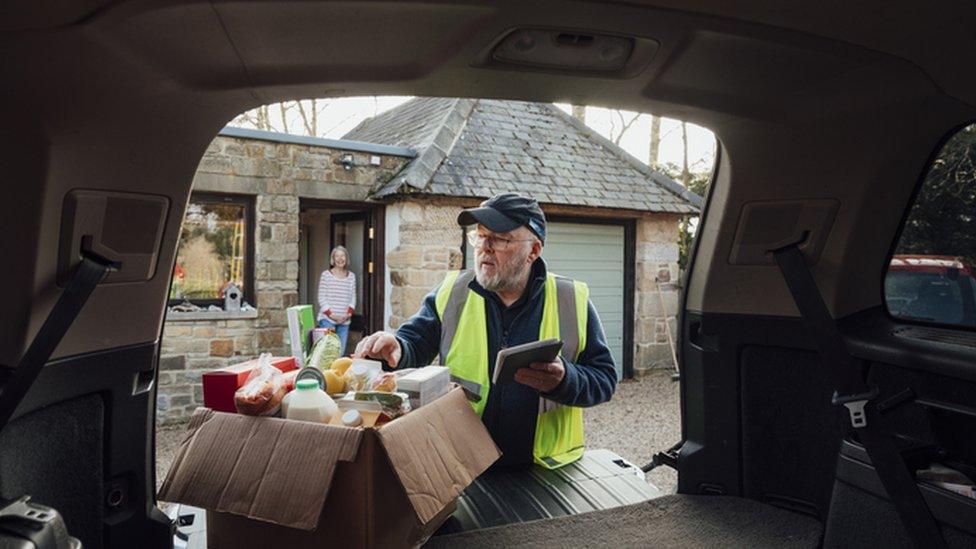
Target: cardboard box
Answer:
[[424, 385], [269, 482], [219, 385]]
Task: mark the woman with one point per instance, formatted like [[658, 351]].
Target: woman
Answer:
[[337, 296]]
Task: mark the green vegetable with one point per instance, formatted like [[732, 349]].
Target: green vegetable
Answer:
[[325, 352]]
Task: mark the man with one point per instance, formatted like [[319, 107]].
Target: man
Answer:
[[510, 299]]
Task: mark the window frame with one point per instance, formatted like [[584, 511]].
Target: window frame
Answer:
[[893, 247], [247, 201]]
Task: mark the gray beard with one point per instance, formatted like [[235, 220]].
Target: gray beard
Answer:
[[504, 279]]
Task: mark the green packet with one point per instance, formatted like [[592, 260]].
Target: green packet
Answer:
[[394, 404]]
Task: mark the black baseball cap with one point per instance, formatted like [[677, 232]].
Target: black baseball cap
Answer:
[[507, 212]]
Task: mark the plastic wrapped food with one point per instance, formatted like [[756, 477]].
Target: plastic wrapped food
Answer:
[[359, 374], [325, 352], [393, 404], [262, 393], [383, 383]]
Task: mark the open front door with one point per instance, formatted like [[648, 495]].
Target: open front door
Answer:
[[359, 232]]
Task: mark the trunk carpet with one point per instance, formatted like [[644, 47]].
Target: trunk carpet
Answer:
[[669, 521]]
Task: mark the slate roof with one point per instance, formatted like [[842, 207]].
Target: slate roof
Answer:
[[478, 148]]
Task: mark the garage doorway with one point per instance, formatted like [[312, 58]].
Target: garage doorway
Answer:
[[601, 254], [357, 227]]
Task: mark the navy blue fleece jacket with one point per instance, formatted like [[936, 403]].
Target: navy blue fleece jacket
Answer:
[[510, 413]]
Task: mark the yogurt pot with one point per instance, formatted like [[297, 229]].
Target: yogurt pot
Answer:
[[360, 372]]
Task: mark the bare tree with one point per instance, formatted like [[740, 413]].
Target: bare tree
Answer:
[[685, 172], [579, 113], [280, 117], [283, 109], [259, 119], [620, 126], [309, 119], [655, 147], [310, 115]]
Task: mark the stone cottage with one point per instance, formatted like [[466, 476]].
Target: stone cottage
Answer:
[[267, 209]]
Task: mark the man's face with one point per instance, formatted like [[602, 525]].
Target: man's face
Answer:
[[503, 258]]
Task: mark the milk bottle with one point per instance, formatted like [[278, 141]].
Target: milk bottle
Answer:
[[310, 403]]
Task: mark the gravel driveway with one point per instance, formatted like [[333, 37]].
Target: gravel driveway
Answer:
[[641, 419]]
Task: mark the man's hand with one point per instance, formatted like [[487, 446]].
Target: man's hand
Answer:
[[380, 345], [542, 376]]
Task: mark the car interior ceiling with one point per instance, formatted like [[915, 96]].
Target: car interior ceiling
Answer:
[[826, 113]]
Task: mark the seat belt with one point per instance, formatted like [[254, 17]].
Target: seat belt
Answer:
[[852, 392], [87, 275]]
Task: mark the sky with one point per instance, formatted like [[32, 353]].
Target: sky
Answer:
[[338, 116]]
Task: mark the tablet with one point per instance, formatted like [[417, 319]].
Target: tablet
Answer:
[[511, 359]]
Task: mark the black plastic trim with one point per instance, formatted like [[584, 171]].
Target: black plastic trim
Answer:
[[854, 468]]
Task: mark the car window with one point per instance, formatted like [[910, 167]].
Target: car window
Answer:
[[930, 277]]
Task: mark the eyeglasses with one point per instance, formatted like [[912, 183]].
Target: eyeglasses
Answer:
[[496, 243]]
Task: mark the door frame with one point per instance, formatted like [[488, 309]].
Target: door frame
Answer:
[[375, 250], [630, 272]]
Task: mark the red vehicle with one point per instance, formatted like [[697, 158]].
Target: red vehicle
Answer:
[[931, 288]]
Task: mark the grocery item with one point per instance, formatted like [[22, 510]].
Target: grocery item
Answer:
[[393, 404], [301, 321], [349, 402], [360, 372], [367, 499], [263, 391], [424, 385], [318, 333], [384, 383], [341, 364], [310, 403], [334, 382], [325, 352], [311, 373], [284, 402], [352, 418], [290, 378], [220, 385]]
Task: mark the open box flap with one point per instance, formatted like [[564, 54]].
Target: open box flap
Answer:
[[268, 469], [437, 451]]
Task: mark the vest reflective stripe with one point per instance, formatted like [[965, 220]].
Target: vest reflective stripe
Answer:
[[464, 349], [559, 437], [456, 299]]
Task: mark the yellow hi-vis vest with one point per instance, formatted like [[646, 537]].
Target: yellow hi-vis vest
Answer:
[[464, 349]]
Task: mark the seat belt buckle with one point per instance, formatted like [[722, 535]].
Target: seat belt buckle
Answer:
[[855, 405]]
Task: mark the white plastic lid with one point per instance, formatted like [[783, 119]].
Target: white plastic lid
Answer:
[[352, 418]]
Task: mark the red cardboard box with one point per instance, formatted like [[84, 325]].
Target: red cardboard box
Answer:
[[220, 385]]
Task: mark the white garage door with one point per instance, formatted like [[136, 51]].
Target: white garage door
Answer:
[[593, 254]]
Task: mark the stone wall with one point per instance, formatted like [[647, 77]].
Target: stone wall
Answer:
[[426, 246], [278, 175], [429, 247], [657, 282]]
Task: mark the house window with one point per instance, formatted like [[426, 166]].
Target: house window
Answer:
[[932, 275], [215, 250]]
